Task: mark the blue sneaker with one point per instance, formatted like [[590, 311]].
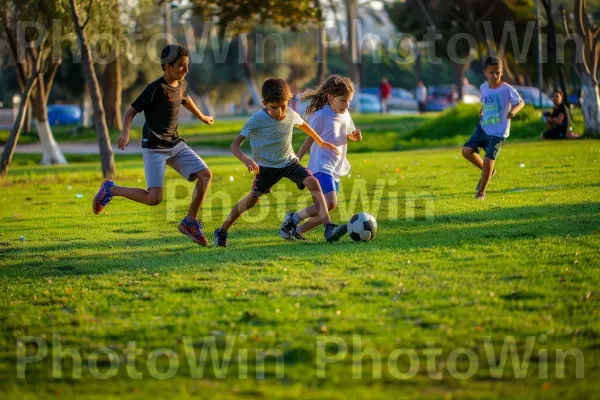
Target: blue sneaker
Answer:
[[103, 197]]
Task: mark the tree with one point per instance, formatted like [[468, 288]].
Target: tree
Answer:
[[471, 17], [40, 18], [240, 18], [106, 153], [587, 59], [13, 138]]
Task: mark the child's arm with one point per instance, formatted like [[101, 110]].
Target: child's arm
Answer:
[[323, 144], [191, 106], [123, 139], [235, 149], [515, 109], [305, 146]]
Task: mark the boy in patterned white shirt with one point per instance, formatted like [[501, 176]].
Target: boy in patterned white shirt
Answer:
[[270, 133]]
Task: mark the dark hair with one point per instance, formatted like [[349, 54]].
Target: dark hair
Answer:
[[492, 60], [171, 53], [335, 85], [558, 91], [276, 90]]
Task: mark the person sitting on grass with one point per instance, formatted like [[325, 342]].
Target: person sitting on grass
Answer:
[[328, 115], [161, 145], [270, 133], [500, 103], [559, 120]]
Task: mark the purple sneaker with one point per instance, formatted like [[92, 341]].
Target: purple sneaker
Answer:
[[103, 197], [480, 196]]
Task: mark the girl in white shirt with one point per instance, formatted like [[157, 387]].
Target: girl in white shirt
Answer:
[[328, 114]]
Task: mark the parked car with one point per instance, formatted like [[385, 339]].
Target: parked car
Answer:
[[471, 94], [441, 97], [64, 114], [401, 99], [531, 96], [368, 104]]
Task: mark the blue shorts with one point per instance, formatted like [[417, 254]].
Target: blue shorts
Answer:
[[481, 140], [328, 184]]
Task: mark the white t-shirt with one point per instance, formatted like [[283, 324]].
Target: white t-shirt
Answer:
[[421, 94], [271, 139], [333, 128], [496, 105]]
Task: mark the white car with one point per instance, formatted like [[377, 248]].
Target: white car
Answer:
[[531, 96], [368, 104]]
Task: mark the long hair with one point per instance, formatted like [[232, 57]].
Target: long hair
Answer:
[[335, 85]]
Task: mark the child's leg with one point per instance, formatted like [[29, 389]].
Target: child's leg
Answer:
[[150, 197], [312, 184], [486, 173], [204, 178], [470, 154], [315, 221], [241, 207]]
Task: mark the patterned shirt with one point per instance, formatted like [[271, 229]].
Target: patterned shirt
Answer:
[[271, 139], [496, 105]]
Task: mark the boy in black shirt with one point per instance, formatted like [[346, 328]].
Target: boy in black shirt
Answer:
[[161, 144], [559, 121]]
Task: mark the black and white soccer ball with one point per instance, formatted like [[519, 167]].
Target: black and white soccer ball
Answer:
[[362, 227]]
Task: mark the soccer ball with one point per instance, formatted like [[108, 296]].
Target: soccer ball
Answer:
[[362, 227]]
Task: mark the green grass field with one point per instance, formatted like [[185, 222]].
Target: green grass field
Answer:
[[444, 268]]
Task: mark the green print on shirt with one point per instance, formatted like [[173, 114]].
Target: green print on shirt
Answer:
[[491, 110]]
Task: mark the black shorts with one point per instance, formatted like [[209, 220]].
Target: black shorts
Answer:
[[556, 133], [267, 177]]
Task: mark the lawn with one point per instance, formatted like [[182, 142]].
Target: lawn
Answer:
[[445, 273]]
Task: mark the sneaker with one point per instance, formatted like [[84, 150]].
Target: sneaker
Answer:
[[220, 238], [299, 237], [480, 196], [479, 183], [334, 232], [288, 227], [193, 229], [103, 197]]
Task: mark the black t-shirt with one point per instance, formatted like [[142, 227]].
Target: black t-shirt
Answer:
[[557, 111], [160, 103]]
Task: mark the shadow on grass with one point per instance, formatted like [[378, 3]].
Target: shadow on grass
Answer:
[[259, 248]]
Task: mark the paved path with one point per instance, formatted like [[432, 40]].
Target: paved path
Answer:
[[134, 147]]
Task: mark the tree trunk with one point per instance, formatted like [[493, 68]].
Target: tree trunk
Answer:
[[86, 105], [106, 153], [591, 108], [112, 89], [50, 150], [249, 70], [460, 73], [353, 51], [321, 53], [11, 143]]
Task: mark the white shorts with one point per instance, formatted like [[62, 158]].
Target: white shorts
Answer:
[[181, 158]]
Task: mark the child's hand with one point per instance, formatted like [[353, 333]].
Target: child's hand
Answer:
[[330, 146], [252, 167], [510, 115], [123, 140], [356, 135], [209, 120]]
